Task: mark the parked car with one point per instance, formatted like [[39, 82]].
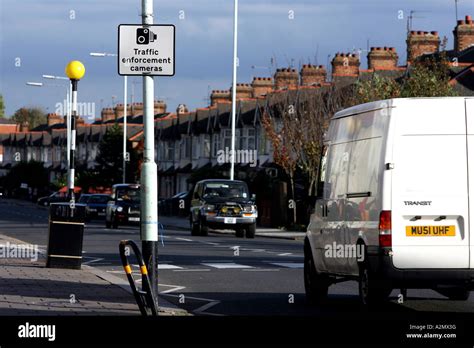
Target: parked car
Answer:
[[381, 216], [53, 198], [123, 207], [223, 204], [84, 198], [96, 205], [179, 204]]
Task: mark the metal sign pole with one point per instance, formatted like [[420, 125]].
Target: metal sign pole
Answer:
[[124, 129], [149, 176]]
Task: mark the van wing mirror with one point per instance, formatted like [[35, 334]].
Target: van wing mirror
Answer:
[[253, 197]]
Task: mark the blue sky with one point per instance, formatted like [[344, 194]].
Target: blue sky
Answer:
[[43, 35]]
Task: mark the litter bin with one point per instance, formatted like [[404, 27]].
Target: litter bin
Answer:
[[66, 231]]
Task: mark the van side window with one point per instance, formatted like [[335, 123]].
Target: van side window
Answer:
[[322, 172]]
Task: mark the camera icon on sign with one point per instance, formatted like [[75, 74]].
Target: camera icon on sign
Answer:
[[145, 36]]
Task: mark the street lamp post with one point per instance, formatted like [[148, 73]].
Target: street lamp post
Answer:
[[124, 163], [234, 92], [75, 71], [68, 112]]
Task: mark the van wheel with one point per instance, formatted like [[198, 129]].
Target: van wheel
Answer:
[[372, 291], [250, 231], [107, 224], [316, 284], [455, 294], [239, 233], [114, 223]]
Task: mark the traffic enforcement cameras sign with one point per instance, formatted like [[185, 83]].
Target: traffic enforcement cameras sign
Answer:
[[146, 49]]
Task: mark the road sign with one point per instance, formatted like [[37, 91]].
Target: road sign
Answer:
[[146, 49]]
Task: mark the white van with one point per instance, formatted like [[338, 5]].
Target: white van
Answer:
[[396, 200]]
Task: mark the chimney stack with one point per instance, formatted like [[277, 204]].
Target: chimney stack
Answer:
[[420, 43], [382, 58], [243, 91], [107, 114], [159, 107], [137, 109], [262, 86], [220, 96], [345, 64], [286, 78], [119, 110], [54, 119], [464, 34], [312, 75]]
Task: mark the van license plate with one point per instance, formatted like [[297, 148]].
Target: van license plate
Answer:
[[230, 220], [134, 219], [430, 231]]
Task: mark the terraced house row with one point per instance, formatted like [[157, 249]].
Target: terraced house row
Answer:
[[188, 141]]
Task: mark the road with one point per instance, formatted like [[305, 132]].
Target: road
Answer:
[[220, 274]]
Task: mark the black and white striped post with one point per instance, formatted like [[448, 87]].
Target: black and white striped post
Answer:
[[75, 71]]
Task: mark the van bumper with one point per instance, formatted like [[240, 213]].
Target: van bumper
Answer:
[[382, 264]]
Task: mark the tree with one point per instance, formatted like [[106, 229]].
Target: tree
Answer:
[[32, 173], [428, 78], [108, 170], [33, 116], [376, 88], [2, 107]]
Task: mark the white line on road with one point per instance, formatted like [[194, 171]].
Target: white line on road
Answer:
[[262, 270], [184, 239], [226, 265], [168, 266], [176, 288], [288, 264], [201, 309], [92, 261], [192, 270], [285, 254]]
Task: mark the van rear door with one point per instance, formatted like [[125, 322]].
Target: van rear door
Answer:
[[470, 153], [430, 207]]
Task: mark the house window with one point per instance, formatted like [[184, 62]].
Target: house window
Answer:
[[195, 147], [216, 144], [206, 145], [169, 151], [185, 148]]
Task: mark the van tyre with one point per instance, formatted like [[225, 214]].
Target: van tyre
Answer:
[[316, 284], [250, 231], [195, 229], [203, 227], [239, 233], [107, 224], [372, 290]]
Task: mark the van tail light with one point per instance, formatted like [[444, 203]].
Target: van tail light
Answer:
[[385, 229]]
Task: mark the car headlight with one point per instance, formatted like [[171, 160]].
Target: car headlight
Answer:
[[119, 209], [209, 207], [250, 208]]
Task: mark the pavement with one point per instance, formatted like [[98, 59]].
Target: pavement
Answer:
[[29, 288], [183, 223]]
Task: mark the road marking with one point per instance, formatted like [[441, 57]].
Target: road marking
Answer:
[[168, 266], [192, 270], [210, 243], [262, 270], [201, 309], [176, 288], [185, 239], [226, 265], [285, 254], [288, 264], [92, 261]]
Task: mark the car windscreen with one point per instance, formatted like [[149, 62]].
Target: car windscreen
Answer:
[[84, 199], [225, 190], [99, 199], [129, 195]]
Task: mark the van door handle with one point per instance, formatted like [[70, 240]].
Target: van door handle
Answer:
[[325, 210]]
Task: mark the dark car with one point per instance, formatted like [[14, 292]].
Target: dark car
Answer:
[[53, 198], [84, 198], [178, 205], [123, 207], [96, 205], [223, 204]]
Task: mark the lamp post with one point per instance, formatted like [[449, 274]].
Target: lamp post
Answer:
[[124, 163], [75, 70], [68, 112], [234, 85]]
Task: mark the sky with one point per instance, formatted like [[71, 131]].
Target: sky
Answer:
[[41, 36]]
